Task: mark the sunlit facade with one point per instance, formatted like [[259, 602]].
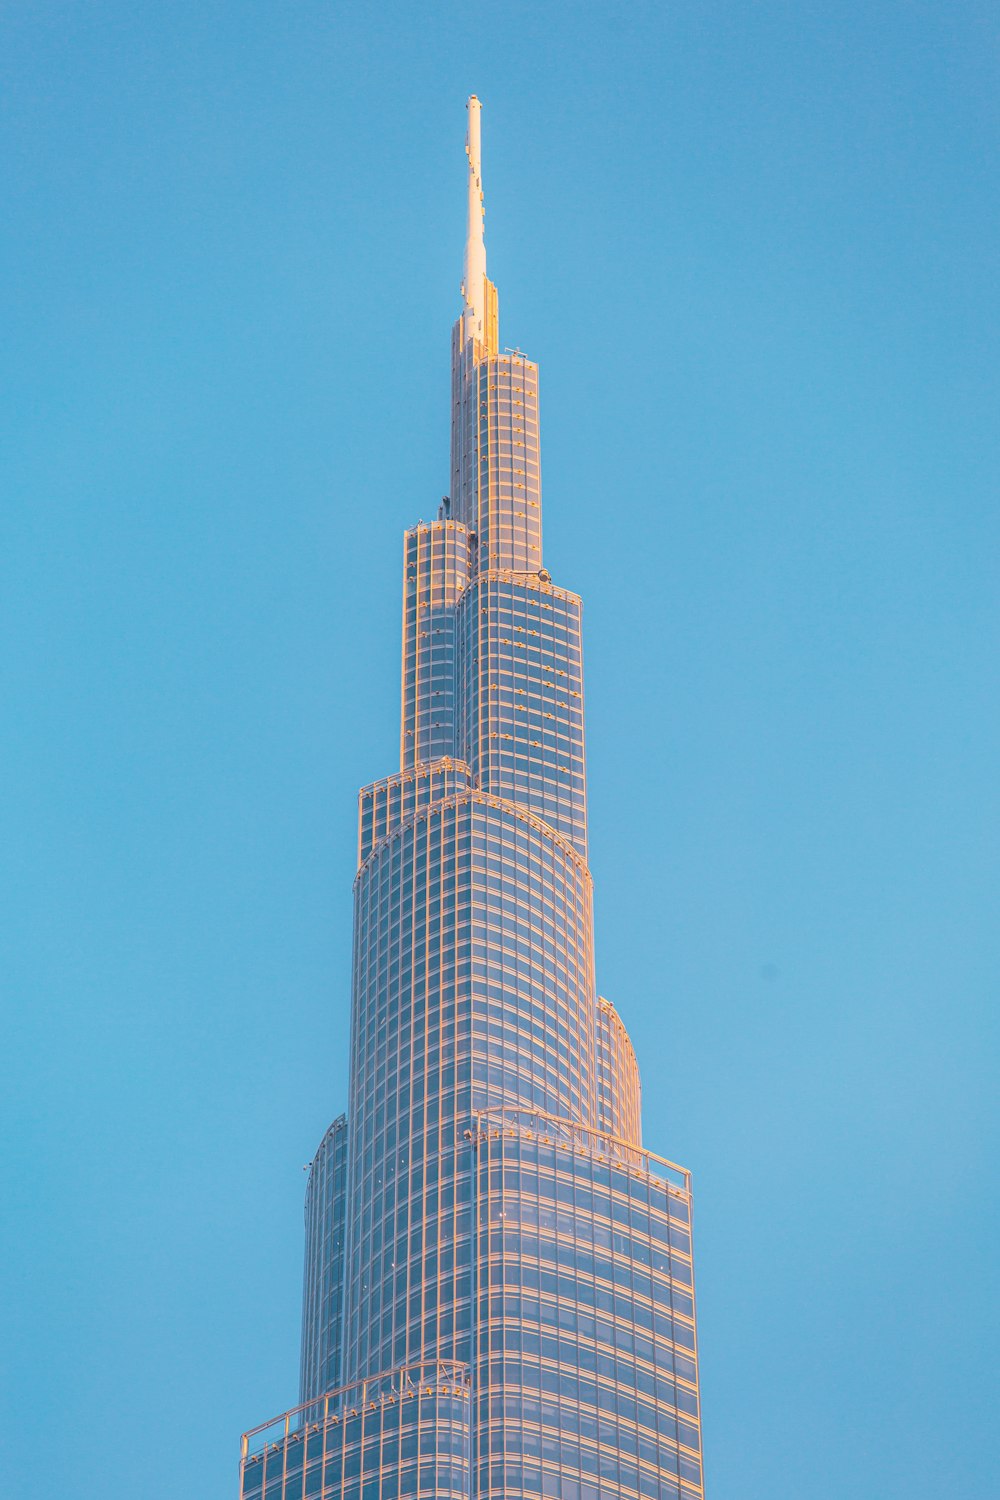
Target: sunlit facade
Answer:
[[498, 1296]]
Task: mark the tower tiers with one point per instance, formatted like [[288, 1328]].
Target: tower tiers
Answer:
[[498, 1286]]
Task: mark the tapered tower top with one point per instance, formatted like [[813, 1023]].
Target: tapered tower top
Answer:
[[474, 293]]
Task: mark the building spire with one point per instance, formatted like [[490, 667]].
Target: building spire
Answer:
[[474, 269]]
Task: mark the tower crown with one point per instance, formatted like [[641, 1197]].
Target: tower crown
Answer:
[[474, 267], [478, 324]]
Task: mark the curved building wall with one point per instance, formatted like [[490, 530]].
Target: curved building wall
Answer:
[[581, 1379], [323, 1280], [619, 1092], [403, 1436], [496, 456], [435, 571], [385, 804], [473, 989], [519, 671], [585, 1363]]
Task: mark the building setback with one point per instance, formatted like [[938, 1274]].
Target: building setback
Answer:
[[498, 1296]]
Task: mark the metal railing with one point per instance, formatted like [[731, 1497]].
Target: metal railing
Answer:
[[537, 1125], [376, 1389]]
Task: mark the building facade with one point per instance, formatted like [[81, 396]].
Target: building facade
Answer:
[[498, 1296]]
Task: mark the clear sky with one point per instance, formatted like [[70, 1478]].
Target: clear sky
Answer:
[[753, 247]]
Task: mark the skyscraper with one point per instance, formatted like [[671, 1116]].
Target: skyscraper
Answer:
[[498, 1290]]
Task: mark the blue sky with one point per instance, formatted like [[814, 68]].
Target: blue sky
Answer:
[[753, 247]]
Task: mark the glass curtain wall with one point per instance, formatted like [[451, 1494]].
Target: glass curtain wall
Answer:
[[498, 1290]]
